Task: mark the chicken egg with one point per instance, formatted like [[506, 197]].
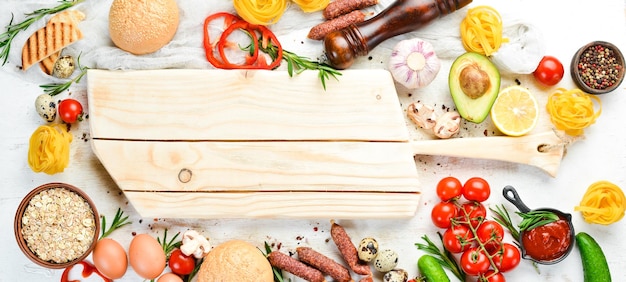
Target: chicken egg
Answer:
[[146, 256], [170, 277], [110, 258]]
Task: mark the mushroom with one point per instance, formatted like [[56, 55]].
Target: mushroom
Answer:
[[194, 244], [447, 125], [422, 115]]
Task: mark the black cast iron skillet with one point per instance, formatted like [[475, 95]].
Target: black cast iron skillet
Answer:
[[511, 195]]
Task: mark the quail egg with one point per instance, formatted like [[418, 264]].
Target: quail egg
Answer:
[[396, 275], [368, 249], [46, 107], [386, 260], [63, 67]]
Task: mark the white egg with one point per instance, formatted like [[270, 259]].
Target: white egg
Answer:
[[46, 107], [386, 261]]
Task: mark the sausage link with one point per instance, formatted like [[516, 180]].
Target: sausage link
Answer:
[[341, 7], [367, 279], [295, 267], [324, 264], [319, 31], [348, 250]]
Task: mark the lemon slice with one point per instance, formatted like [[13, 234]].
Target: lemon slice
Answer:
[[515, 111]]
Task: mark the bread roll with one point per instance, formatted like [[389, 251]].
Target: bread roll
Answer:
[[142, 26], [235, 261]]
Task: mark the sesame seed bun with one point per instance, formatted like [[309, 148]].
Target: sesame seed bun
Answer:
[[235, 261], [142, 26]]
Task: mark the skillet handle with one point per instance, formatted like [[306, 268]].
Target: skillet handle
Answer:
[[515, 199]]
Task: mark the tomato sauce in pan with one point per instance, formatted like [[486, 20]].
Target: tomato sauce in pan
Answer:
[[547, 242]]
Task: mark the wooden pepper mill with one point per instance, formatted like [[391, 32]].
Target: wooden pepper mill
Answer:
[[402, 16]]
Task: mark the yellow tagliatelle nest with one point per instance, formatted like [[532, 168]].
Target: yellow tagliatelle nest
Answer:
[[260, 12], [481, 30], [573, 110], [309, 6], [49, 149], [603, 203]]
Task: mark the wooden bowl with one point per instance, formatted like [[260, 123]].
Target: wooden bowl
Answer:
[[597, 88], [47, 196]]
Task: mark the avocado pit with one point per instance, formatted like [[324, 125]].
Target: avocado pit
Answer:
[[474, 81]]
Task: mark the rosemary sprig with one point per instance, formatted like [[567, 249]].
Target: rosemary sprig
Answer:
[[169, 246], [296, 63], [56, 88], [534, 219], [278, 274], [503, 217], [13, 29], [118, 221], [443, 256]]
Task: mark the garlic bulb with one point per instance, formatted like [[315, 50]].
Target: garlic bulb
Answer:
[[413, 63]]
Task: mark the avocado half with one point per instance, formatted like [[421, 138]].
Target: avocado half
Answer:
[[474, 85]]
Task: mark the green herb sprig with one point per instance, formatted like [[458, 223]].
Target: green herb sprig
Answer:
[[296, 64], [169, 246], [504, 218], [53, 89], [534, 219], [13, 29], [118, 221], [443, 256]]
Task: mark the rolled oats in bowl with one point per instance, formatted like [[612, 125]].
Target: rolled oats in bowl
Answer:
[[56, 225]]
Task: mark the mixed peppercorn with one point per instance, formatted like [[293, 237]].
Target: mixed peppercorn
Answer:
[[599, 67]]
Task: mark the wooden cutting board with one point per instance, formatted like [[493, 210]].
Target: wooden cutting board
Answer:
[[241, 144]]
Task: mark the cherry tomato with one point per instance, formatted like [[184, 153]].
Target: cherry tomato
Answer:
[[443, 213], [70, 110], [457, 239], [490, 233], [473, 213], [507, 257], [475, 262], [449, 188], [491, 276], [550, 71], [180, 263], [476, 189]]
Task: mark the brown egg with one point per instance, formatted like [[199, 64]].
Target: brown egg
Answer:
[[170, 277], [146, 256], [110, 258]]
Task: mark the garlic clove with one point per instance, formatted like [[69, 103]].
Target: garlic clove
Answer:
[[413, 63]]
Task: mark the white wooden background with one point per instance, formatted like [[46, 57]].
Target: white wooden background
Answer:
[[600, 156]]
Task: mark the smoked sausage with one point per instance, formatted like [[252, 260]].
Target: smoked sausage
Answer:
[[341, 7], [319, 31]]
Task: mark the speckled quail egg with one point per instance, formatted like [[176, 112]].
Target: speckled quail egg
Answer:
[[63, 67], [368, 249], [396, 275], [386, 260], [46, 107]]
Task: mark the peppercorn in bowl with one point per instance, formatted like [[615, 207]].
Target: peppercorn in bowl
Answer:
[[598, 67], [56, 225]]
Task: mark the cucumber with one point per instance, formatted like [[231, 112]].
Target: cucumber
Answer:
[[595, 267], [431, 269]]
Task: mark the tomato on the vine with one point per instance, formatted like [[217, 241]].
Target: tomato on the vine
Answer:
[[490, 233], [475, 262], [443, 213], [549, 71], [70, 110], [448, 188], [507, 257], [476, 189], [492, 276], [473, 213], [181, 263], [457, 238]]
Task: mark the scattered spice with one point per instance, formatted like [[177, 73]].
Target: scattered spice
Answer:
[[599, 67]]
